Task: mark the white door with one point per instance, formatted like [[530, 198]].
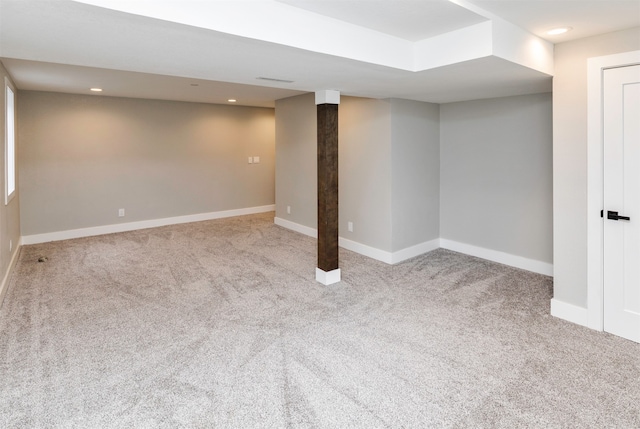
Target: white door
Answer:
[[621, 110]]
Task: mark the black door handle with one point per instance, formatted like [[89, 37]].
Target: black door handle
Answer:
[[614, 216]]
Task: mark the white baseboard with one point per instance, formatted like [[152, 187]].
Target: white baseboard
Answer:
[[389, 257], [4, 286], [363, 249], [413, 251], [131, 226], [500, 257], [569, 312], [311, 232]]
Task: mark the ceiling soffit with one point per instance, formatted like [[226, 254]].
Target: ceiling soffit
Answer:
[[299, 28]]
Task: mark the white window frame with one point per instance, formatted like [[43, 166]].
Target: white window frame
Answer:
[[10, 141]]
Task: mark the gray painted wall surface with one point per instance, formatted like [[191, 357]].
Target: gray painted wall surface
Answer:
[[570, 157], [496, 174], [363, 163], [84, 157], [296, 160], [388, 168], [415, 181], [9, 214], [411, 172], [365, 171]]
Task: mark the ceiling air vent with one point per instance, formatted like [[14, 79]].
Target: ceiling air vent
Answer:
[[273, 79]]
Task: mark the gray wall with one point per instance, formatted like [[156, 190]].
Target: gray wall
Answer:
[[84, 157], [388, 169], [9, 214], [365, 171], [296, 160], [415, 179], [476, 172], [570, 157], [496, 174]]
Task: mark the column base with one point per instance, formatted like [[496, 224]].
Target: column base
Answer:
[[328, 277]]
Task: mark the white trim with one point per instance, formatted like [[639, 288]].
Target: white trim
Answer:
[[595, 181], [302, 229], [8, 196], [328, 96], [569, 312], [368, 251], [419, 249], [413, 251], [389, 257], [328, 277], [500, 257], [363, 249], [4, 286], [131, 226]]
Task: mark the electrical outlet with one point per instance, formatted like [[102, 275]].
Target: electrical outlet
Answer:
[[121, 213], [256, 160], [10, 245], [288, 209], [250, 160], [350, 226]]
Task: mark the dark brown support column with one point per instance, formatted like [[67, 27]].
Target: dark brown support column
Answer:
[[328, 271]]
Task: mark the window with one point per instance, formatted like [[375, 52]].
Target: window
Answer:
[[10, 142]]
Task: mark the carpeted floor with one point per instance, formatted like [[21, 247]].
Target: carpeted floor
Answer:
[[220, 324]]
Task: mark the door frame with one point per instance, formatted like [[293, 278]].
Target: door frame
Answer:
[[595, 180]]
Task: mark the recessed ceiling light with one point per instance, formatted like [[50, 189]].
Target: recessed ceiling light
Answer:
[[559, 30], [232, 100], [96, 89]]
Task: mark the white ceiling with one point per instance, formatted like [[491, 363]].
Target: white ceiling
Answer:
[[422, 50], [587, 17], [418, 19], [407, 19], [42, 76]]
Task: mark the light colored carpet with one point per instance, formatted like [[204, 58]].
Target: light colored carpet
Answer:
[[220, 324]]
